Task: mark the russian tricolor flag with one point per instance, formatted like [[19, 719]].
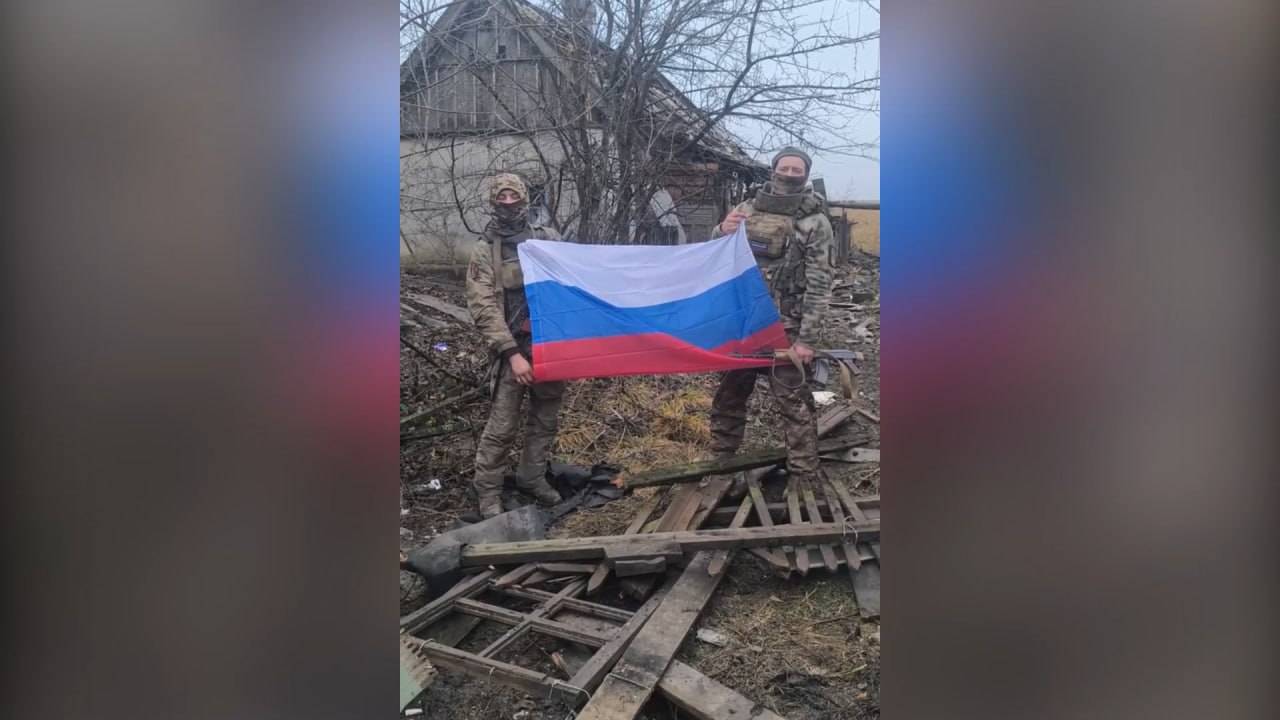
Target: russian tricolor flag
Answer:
[[602, 310]]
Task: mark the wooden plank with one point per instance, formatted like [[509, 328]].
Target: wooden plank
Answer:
[[811, 504], [851, 556], [690, 541], [632, 567], [686, 515], [442, 605], [793, 510], [625, 690], [866, 589], [570, 603], [721, 516], [694, 693], [855, 455], [567, 568], [530, 681], [457, 313], [536, 624], [716, 566], [694, 472], [588, 677], [705, 699], [547, 609], [515, 576], [537, 578], [773, 556], [644, 547], [602, 569]]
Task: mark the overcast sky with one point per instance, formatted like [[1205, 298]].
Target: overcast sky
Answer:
[[849, 178]]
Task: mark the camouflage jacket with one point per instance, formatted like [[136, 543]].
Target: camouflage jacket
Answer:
[[800, 281], [495, 296]]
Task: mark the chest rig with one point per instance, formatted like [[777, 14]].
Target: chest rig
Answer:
[[508, 278]]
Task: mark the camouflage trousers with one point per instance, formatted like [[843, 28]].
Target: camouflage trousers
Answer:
[[499, 433], [795, 404]]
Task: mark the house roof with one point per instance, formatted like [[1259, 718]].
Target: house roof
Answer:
[[717, 142]]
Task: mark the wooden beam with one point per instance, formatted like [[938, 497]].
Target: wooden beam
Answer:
[[689, 541], [567, 568], [632, 567], [419, 299], [851, 556], [694, 693], [811, 504], [530, 681], [536, 624], [625, 690], [602, 569], [588, 677], [705, 699], [547, 609], [793, 510], [721, 516], [721, 557], [515, 576], [603, 612], [441, 606], [695, 471]]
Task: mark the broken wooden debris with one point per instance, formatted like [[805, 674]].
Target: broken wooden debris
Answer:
[[411, 420], [705, 699], [567, 568], [642, 557], [416, 673], [855, 455], [535, 623], [695, 694], [568, 602], [420, 301], [602, 569], [442, 605], [639, 566], [721, 557], [589, 548], [800, 560], [638, 672], [530, 681], [695, 471], [722, 516], [546, 609], [590, 675]]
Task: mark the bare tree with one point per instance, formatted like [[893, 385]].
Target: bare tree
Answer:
[[609, 103]]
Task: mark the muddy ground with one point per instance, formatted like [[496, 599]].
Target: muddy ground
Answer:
[[795, 646]]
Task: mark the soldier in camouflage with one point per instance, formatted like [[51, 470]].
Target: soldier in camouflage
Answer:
[[790, 234], [495, 296]]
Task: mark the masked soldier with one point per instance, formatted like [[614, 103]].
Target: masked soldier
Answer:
[[790, 236], [495, 296]]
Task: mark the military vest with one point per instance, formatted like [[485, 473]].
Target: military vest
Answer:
[[508, 279], [775, 242]]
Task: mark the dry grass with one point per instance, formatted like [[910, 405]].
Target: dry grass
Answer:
[[797, 647]]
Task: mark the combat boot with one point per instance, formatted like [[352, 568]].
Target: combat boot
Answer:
[[490, 505], [540, 489]]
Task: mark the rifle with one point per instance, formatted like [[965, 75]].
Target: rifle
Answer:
[[823, 363]]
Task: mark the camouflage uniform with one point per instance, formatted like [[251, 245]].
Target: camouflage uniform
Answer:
[[501, 312], [800, 282]]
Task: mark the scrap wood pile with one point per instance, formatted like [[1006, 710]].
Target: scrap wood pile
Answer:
[[518, 633], [614, 659]]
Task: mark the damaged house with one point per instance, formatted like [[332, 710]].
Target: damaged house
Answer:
[[502, 85]]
